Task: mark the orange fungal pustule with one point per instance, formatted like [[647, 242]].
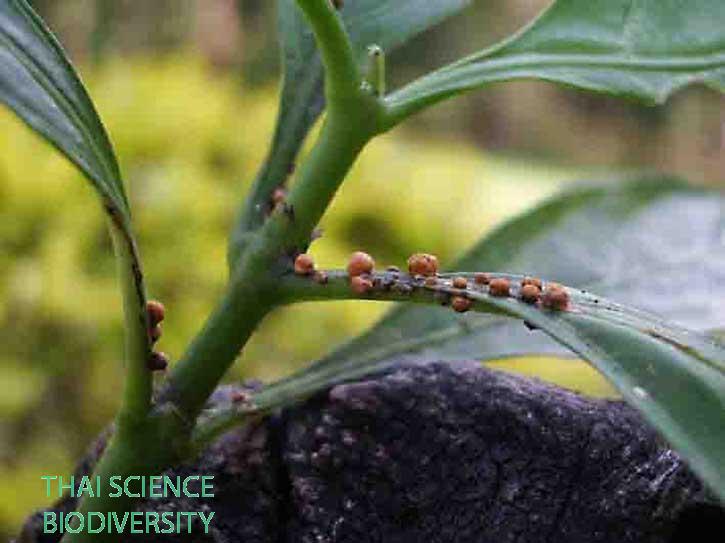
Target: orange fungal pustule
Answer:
[[156, 312], [481, 278], [535, 281]]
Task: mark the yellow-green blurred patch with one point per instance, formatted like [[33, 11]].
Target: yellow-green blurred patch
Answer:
[[572, 374], [21, 387], [22, 490]]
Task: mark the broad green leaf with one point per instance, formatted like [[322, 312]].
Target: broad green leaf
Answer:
[[388, 23], [645, 49], [656, 244], [38, 82]]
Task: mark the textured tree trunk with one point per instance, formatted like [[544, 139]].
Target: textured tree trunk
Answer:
[[443, 453]]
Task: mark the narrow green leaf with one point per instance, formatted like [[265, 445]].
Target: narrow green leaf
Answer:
[[387, 23], [654, 243], [39, 84], [644, 49]]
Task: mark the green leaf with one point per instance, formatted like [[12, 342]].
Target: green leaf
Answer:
[[674, 377], [644, 49], [387, 23], [38, 82], [654, 243]]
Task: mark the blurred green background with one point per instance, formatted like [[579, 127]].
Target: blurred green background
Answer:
[[188, 91]]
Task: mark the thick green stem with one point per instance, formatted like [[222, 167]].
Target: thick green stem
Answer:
[[253, 289], [342, 76], [343, 136], [343, 82], [348, 127], [353, 118], [210, 355]]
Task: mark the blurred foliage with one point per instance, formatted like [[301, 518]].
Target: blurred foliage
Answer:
[[686, 138], [190, 135]]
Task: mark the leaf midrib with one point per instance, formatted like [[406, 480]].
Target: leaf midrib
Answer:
[[478, 68], [680, 61]]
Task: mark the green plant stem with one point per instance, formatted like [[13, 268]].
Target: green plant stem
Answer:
[[210, 355], [354, 116], [139, 381], [253, 288], [343, 82], [342, 76], [295, 289], [135, 448]]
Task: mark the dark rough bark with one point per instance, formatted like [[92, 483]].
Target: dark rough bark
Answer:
[[446, 453]]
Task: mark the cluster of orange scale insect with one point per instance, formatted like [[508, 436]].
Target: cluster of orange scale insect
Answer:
[[156, 312], [531, 291], [422, 266]]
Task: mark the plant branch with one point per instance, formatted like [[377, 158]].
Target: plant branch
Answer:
[[342, 79], [343, 86], [392, 286], [342, 76], [354, 116], [387, 286], [253, 289], [209, 356]]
